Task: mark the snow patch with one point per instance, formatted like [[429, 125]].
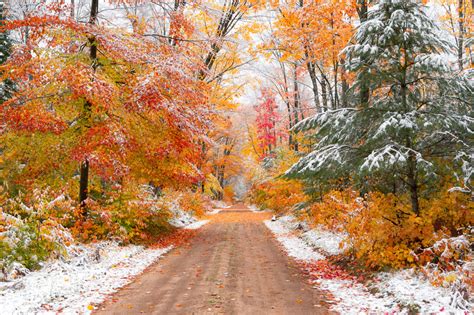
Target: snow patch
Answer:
[[327, 241], [214, 211], [180, 217], [218, 204], [254, 208], [71, 286], [354, 298], [401, 292], [294, 246], [196, 225]]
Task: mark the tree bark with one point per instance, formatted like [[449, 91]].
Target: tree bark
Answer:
[[230, 16], [84, 173], [344, 85], [336, 95], [314, 80], [296, 102], [72, 13], [413, 184], [461, 34], [362, 10], [324, 93], [290, 125], [412, 172]]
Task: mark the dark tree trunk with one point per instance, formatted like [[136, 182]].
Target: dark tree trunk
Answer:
[[296, 102], [72, 13], [412, 172], [84, 174], [83, 183], [413, 184], [461, 34], [336, 95], [230, 16], [324, 93], [290, 125], [362, 10], [314, 80], [344, 85]]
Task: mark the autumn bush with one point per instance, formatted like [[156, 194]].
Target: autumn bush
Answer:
[[383, 232], [124, 218], [193, 202], [270, 191], [28, 235], [277, 195], [41, 225], [137, 215], [228, 194]]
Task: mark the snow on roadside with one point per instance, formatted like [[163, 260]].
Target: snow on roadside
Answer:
[[254, 208], [408, 288], [196, 225], [354, 298], [71, 286], [213, 211], [399, 292], [326, 241], [218, 207], [180, 217], [91, 272], [293, 245], [219, 204]]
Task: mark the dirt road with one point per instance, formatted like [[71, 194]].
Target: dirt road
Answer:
[[233, 266]]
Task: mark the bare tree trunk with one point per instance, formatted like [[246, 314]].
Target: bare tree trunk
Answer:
[[296, 101], [314, 80], [290, 125], [73, 6], [336, 94], [84, 172], [461, 34], [324, 93], [230, 16], [362, 10], [344, 85], [335, 68], [413, 185], [288, 105], [412, 172]]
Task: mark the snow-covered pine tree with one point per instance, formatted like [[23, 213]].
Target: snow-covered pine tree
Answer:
[[5, 50], [418, 123]]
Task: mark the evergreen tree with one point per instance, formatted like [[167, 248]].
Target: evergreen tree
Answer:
[[5, 50], [417, 124]]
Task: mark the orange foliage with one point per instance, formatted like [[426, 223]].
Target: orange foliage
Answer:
[[384, 232], [228, 193], [278, 195], [193, 202]]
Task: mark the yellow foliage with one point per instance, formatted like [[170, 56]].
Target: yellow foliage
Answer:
[[212, 186], [228, 193], [382, 229], [278, 195], [193, 202]]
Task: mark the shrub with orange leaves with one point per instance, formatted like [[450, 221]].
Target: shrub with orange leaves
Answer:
[[28, 234], [228, 193], [278, 195], [383, 232], [193, 202], [335, 209]]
